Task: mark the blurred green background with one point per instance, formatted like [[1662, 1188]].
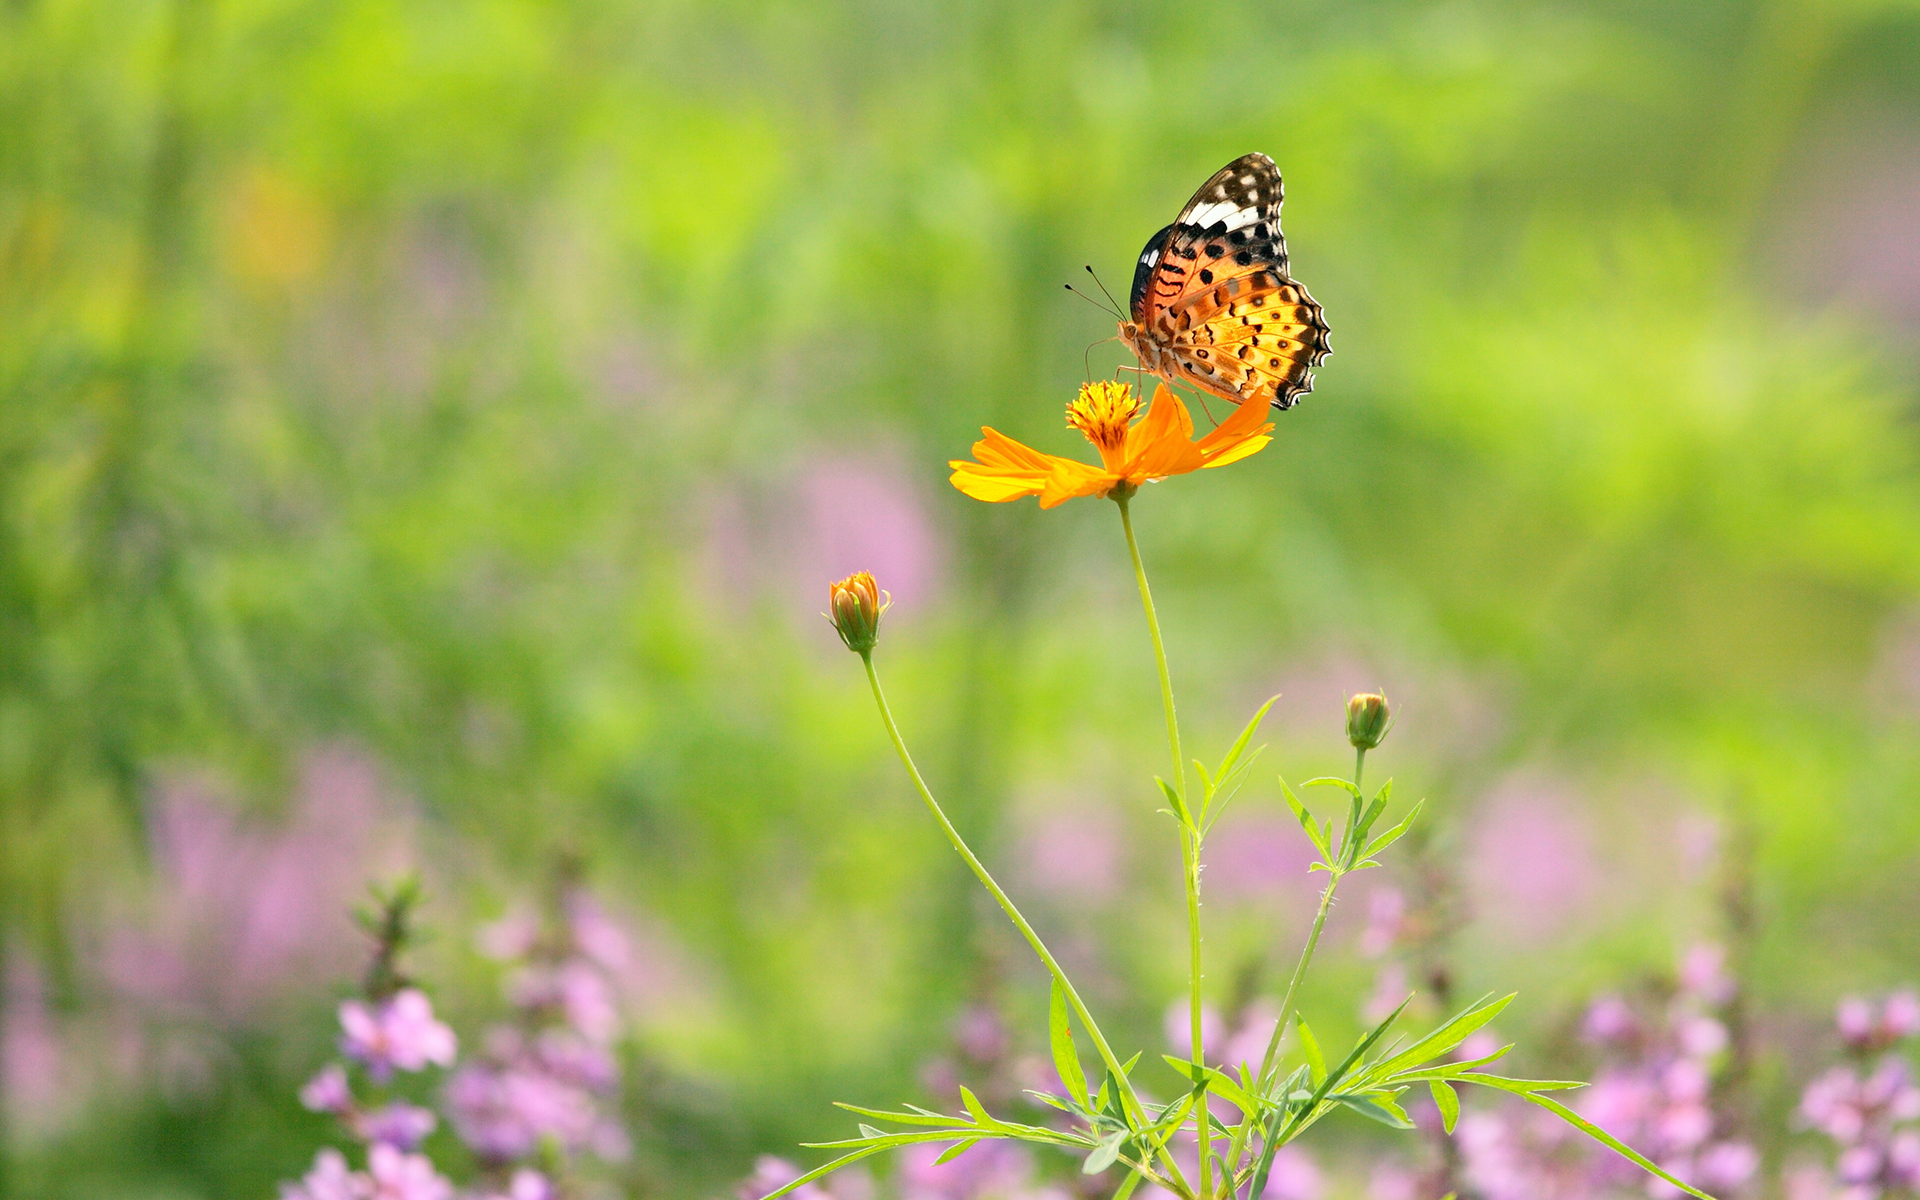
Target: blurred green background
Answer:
[[428, 430]]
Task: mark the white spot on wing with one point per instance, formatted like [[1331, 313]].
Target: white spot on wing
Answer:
[[1236, 215]]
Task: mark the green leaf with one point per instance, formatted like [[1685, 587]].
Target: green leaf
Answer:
[[1529, 1089], [1447, 1101], [1131, 1182], [1394, 834], [917, 1117], [955, 1151], [1456, 1030], [1346, 785], [1218, 1082], [1306, 821], [1065, 1060], [1105, 1095], [1373, 811], [1104, 1154], [870, 1131], [1050, 1100], [1523, 1087], [823, 1172], [1246, 735], [1179, 803], [980, 1114], [1387, 1113], [1311, 1045]]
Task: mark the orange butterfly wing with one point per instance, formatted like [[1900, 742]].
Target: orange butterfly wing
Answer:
[[1213, 302]]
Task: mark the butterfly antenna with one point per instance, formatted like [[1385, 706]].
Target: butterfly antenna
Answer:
[[1090, 300], [1103, 288]]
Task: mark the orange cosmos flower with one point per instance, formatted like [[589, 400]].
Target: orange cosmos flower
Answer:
[[1131, 453]]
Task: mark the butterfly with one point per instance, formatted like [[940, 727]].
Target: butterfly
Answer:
[[1213, 304]]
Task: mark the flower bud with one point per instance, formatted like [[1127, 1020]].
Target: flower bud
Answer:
[[855, 605], [1368, 719]]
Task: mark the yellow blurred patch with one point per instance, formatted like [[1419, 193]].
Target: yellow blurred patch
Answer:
[[274, 234]]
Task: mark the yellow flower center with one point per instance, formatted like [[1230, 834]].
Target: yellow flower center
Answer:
[[1102, 411]]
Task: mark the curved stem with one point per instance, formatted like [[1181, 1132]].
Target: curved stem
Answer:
[[1179, 779], [1262, 1080], [1189, 853], [1135, 1109]]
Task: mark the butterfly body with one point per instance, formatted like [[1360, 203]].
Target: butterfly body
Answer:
[[1213, 303]]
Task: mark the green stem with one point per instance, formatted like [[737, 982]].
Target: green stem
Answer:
[[1262, 1080], [1189, 852], [1136, 1110], [1179, 779]]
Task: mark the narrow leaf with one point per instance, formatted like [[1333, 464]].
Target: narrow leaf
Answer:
[[1602, 1136], [1174, 798], [1447, 1101], [918, 1117], [1346, 785], [955, 1151], [1373, 1109], [980, 1115], [1456, 1030], [870, 1131], [822, 1172], [1065, 1060], [1246, 735], [1306, 821], [1311, 1044], [1104, 1154], [1394, 834]]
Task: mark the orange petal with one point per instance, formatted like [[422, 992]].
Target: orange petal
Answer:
[[1166, 418], [996, 484], [1238, 451], [996, 449], [1158, 446], [1070, 479], [1249, 419]]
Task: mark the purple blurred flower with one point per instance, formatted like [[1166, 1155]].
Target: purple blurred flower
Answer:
[[36, 1083], [1703, 975], [980, 1034], [398, 1032], [401, 1176], [241, 911], [1386, 916], [1610, 1019], [990, 1168], [328, 1091], [329, 1180], [529, 1184], [1867, 1027], [402, 1126], [1901, 1016], [1855, 1019], [1294, 1176], [770, 1174], [1075, 854], [1533, 867], [1726, 1166], [1178, 1026]]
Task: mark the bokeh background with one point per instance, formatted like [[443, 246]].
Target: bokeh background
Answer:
[[428, 431]]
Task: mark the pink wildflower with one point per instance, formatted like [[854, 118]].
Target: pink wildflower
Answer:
[[401, 1176], [328, 1092], [329, 1180], [402, 1126], [400, 1032]]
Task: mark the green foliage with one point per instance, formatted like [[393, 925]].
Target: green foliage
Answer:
[[374, 374]]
